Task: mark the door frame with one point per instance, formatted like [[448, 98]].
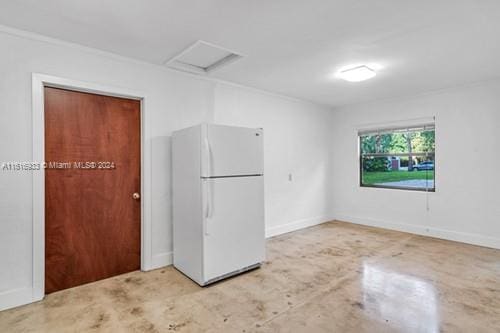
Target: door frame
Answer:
[[39, 82]]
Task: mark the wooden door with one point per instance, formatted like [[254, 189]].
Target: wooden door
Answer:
[[93, 156]]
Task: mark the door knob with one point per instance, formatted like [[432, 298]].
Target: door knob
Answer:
[[136, 196]]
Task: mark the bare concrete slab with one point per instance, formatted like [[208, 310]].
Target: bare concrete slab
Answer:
[[335, 277]]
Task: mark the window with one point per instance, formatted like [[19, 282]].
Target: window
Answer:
[[398, 158]]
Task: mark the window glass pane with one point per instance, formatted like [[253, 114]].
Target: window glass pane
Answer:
[[423, 142], [368, 143], [398, 142], [379, 143], [393, 171], [401, 159]]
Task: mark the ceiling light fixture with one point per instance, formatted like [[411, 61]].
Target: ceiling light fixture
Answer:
[[357, 73]]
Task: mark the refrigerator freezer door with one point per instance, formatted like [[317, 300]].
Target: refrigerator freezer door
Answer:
[[232, 151], [234, 224]]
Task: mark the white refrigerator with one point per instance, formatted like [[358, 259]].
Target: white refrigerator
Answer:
[[218, 201]]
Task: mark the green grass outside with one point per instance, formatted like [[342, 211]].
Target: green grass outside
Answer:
[[370, 178]]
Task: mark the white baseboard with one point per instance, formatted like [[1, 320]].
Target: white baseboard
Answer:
[[161, 260], [458, 236], [17, 297], [296, 225]]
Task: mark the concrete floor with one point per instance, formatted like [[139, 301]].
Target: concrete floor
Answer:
[[336, 277]]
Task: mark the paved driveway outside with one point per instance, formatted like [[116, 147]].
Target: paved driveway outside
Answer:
[[414, 183]]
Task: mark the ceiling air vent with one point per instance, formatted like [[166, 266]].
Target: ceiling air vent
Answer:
[[202, 58]]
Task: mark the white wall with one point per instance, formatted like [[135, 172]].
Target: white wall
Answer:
[[297, 142], [466, 204], [174, 101]]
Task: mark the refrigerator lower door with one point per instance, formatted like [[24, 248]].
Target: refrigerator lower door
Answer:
[[234, 236]]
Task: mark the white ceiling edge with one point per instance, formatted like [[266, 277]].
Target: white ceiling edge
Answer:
[[431, 92], [59, 42]]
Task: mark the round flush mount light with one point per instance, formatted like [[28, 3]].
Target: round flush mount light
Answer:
[[356, 73]]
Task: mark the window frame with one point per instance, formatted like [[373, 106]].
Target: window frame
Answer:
[[409, 155]]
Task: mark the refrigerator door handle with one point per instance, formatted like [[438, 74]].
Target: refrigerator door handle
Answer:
[[209, 157], [209, 199], [208, 205], [208, 208], [206, 198]]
